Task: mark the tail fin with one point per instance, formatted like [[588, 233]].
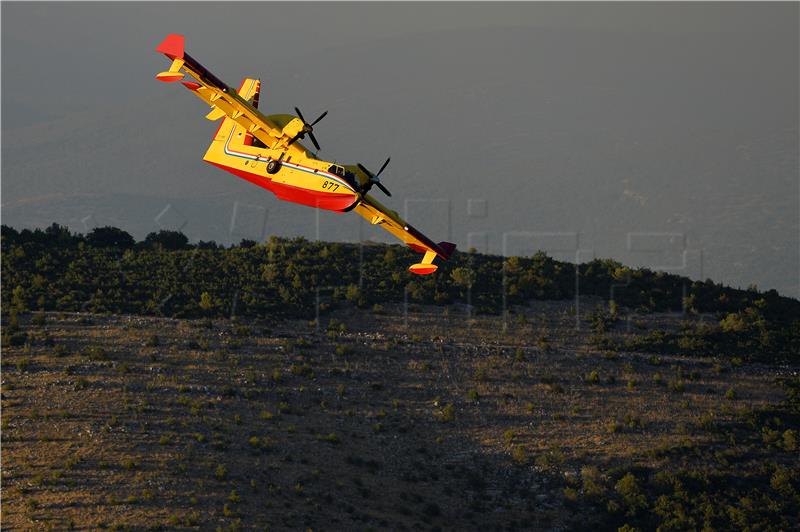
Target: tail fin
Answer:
[[250, 90], [448, 248]]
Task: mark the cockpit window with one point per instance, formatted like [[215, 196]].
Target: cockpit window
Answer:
[[338, 170]]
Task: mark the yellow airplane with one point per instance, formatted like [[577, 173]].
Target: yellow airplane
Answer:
[[264, 150]]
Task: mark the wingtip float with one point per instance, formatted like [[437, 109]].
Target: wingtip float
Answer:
[[264, 150]]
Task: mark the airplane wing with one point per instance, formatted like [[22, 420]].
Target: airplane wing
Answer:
[[224, 100], [377, 214]]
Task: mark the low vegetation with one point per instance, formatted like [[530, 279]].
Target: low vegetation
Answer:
[[225, 406]]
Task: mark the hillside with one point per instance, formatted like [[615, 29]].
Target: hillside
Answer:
[[295, 384], [165, 275], [430, 420]]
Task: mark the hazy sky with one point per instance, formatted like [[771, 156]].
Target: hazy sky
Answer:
[[663, 135]]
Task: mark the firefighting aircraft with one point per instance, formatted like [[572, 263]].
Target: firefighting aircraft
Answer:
[[265, 151]]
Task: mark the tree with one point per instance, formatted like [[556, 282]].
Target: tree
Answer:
[[169, 240], [59, 233], [18, 299], [463, 277], [104, 237]]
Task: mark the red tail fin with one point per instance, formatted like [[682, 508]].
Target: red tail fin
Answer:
[[172, 46]]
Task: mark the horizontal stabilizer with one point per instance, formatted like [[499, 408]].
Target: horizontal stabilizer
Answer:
[[174, 73]]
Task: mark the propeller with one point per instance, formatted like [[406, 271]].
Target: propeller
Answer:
[[374, 179], [307, 128]]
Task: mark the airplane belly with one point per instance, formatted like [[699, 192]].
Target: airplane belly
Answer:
[[318, 189], [294, 188]]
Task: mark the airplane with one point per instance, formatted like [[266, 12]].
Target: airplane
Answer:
[[264, 150]]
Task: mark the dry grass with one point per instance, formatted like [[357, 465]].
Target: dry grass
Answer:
[[434, 420]]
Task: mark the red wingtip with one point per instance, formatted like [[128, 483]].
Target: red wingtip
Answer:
[[172, 46], [191, 85], [422, 269], [169, 77]]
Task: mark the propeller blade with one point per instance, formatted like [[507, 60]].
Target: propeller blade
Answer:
[[294, 139], [383, 188], [300, 115], [364, 169], [384, 167], [320, 118], [314, 140]]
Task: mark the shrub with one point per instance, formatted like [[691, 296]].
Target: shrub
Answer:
[[550, 460], [242, 330], [519, 455], [449, 412], [330, 438], [730, 393], [220, 472], [342, 350], [628, 488], [613, 426], [790, 440], [677, 386], [592, 482], [96, 353], [593, 377]]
